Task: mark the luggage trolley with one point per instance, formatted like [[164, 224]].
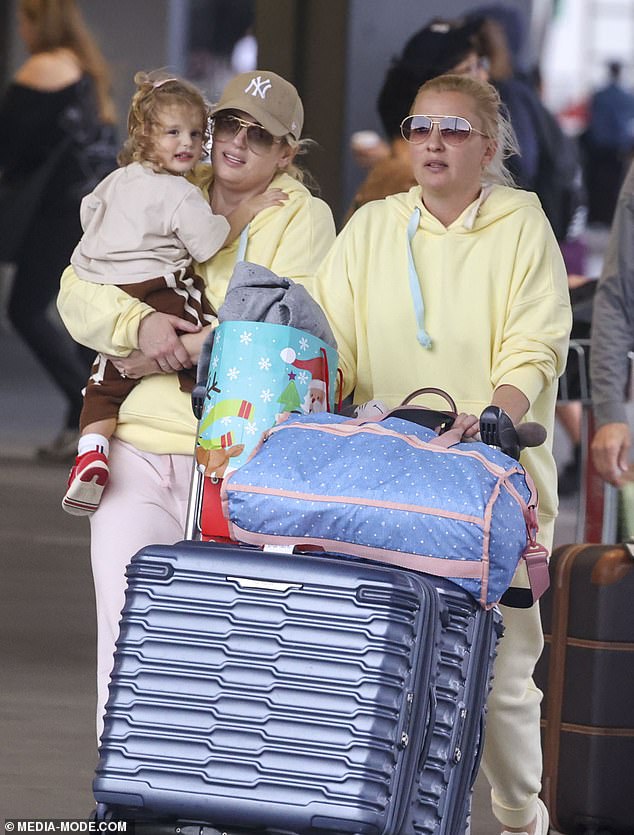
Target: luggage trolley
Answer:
[[284, 693]]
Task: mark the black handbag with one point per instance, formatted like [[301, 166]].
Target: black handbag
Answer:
[[20, 198], [94, 145]]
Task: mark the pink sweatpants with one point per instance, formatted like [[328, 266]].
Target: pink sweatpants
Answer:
[[145, 503]]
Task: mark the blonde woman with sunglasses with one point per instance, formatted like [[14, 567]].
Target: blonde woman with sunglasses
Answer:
[[459, 283], [256, 135]]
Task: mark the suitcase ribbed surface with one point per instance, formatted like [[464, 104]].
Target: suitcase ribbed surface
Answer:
[[291, 700], [462, 678], [335, 696]]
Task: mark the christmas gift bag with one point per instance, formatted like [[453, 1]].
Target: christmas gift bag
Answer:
[[259, 371]]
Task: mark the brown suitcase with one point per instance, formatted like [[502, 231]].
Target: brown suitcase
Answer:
[[587, 675]]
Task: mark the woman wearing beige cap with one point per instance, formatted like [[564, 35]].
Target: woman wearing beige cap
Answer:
[[256, 134]]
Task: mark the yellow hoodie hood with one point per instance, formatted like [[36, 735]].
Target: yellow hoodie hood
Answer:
[[290, 240], [493, 204]]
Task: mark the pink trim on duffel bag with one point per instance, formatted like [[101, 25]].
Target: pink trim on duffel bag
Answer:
[[353, 500], [469, 569], [346, 430], [477, 569]]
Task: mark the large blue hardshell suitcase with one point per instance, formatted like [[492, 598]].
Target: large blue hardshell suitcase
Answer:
[[303, 694]]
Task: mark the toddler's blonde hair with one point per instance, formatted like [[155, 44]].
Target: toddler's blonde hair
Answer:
[[155, 92]]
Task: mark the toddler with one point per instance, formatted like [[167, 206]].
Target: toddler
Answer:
[[143, 226]]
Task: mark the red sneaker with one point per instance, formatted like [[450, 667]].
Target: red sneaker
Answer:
[[86, 483]]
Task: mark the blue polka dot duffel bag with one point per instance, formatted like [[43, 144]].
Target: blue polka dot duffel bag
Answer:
[[391, 491]]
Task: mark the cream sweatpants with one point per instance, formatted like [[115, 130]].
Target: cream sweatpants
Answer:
[[145, 503], [512, 760]]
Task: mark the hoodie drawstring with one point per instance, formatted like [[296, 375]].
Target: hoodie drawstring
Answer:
[[414, 282], [242, 244]]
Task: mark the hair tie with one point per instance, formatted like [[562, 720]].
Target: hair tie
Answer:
[[156, 84]]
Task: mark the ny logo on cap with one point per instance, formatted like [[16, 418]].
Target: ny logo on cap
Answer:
[[257, 87]]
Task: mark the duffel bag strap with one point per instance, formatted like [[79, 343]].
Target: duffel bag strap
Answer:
[[431, 390], [436, 419], [534, 555], [536, 558]]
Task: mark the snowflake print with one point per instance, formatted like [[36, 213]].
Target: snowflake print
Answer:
[[303, 377], [264, 364], [266, 395], [214, 362], [246, 337], [303, 344], [225, 420], [233, 373], [250, 429]]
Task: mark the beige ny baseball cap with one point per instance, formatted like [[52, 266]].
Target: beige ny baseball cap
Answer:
[[266, 97]]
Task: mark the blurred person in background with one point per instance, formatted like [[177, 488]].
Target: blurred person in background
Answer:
[[612, 338], [58, 103], [497, 28], [608, 144], [442, 46]]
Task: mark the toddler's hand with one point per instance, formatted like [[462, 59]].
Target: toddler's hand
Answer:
[[271, 197]]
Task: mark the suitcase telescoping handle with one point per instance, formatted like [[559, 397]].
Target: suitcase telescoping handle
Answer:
[[497, 429]]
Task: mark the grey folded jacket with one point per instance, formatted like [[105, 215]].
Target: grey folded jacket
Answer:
[[255, 294]]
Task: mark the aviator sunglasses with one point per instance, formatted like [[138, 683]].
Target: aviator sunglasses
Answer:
[[226, 126], [454, 130]]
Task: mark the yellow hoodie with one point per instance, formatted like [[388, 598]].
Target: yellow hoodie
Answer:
[[496, 309], [291, 240]]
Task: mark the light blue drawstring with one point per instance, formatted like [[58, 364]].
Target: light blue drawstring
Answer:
[[242, 243], [414, 282]]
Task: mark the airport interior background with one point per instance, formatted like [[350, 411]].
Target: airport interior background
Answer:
[[336, 52]]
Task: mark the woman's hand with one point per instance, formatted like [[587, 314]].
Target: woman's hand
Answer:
[[135, 366], [138, 365], [467, 425], [513, 401], [159, 339]]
